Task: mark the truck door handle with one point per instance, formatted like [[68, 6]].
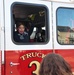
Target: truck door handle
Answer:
[[14, 64]]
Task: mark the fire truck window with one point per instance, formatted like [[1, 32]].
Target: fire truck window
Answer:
[[65, 26], [29, 23]]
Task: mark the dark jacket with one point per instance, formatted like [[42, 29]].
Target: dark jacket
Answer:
[[21, 38]]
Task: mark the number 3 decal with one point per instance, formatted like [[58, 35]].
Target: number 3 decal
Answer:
[[37, 64]]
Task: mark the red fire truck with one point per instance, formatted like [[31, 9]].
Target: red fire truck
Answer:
[[50, 26]]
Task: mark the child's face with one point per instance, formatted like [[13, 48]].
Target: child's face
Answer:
[[21, 29]]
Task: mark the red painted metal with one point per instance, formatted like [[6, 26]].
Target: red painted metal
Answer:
[[24, 58]]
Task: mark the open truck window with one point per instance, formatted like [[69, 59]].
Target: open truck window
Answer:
[[29, 23], [65, 25]]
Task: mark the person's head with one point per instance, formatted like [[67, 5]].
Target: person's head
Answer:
[[54, 64], [20, 27]]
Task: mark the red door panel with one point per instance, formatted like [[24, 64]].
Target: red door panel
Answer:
[[24, 62]]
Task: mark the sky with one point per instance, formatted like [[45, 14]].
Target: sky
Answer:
[[65, 17]]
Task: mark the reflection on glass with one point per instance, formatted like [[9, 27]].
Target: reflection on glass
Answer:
[[65, 25]]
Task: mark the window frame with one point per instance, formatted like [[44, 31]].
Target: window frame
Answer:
[[46, 24]]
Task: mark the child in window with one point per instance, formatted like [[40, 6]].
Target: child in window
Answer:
[[21, 35]]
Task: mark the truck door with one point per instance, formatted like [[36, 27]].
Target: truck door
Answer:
[[63, 25], [23, 58]]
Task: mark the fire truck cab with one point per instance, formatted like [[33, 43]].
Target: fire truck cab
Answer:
[[50, 27]]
